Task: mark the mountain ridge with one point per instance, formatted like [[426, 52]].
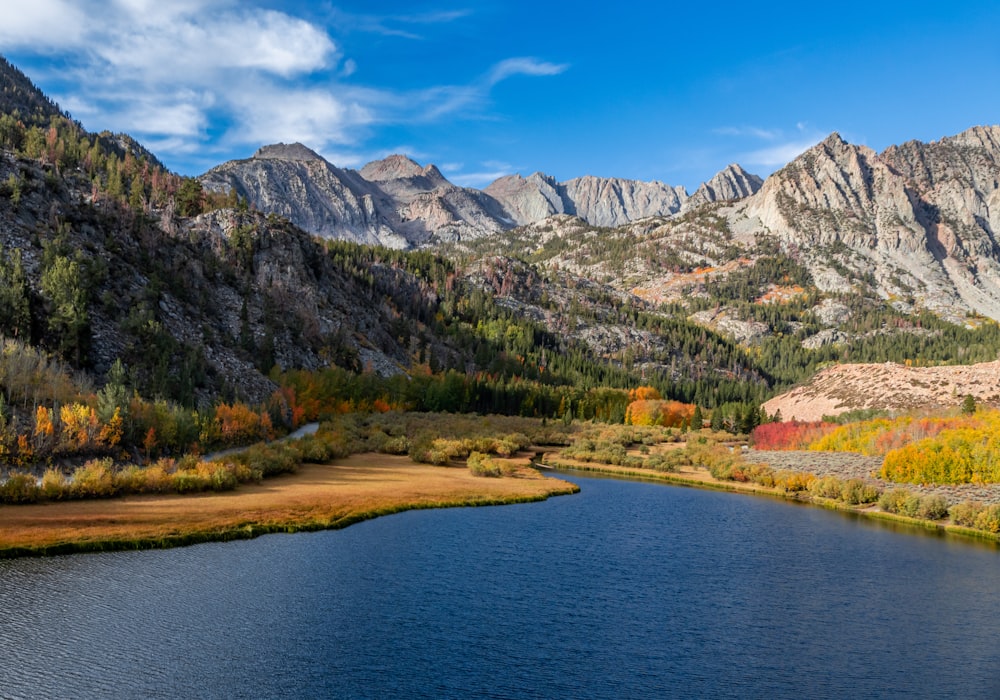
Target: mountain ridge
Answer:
[[410, 205]]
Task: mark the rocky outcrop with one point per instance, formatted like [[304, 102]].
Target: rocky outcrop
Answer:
[[429, 208]]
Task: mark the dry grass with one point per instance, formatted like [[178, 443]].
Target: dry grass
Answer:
[[317, 497]]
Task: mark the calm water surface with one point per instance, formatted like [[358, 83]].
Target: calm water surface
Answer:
[[627, 590]]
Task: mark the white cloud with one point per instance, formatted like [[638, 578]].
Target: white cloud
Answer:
[[176, 44], [202, 75], [782, 146], [478, 179], [43, 24], [314, 117]]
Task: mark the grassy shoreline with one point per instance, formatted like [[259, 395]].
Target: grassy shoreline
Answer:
[[318, 497], [700, 478]]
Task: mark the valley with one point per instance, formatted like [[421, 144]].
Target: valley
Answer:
[[148, 317]]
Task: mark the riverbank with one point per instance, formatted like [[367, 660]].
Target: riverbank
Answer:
[[316, 497], [699, 477]]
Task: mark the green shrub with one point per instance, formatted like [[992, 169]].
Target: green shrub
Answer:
[[856, 492], [910, 506], [271, 460], [131, 479], [893, 500], [481, 465], [317, 449], [188, 481], [932, 508], [827, 487], [966, 512], [19, 487], [55, 486], [223, 478], [988, 519]]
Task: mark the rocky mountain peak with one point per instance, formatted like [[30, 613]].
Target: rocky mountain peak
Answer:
[[732, 182], [396, 167], [286, 151]]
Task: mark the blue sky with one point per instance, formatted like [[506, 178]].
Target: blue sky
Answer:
[[650, 90]]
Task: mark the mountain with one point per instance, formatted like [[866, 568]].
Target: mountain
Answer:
[[728, 184], [399, 203], [918, 222], [296, 183]]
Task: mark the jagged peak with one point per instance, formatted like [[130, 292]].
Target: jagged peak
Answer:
[[834, 140], [286, 151], [730, 183]]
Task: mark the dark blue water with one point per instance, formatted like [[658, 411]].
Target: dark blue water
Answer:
[[627, 590]]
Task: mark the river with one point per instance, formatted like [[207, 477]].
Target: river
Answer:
[[624, 590]]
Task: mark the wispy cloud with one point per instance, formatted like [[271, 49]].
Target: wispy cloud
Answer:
[[754, 131], [433, 103], [523, 66], [394, 25], [490, 171], [782, 145], [780, 154]]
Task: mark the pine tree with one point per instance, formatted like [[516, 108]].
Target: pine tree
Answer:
[[697, 419], [15, 307]]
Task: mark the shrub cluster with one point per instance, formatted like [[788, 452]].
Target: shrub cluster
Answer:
[[976, 515], [438, 450], [102, 478], [851, 491], [483, 465], [904, 502], [736, 469]]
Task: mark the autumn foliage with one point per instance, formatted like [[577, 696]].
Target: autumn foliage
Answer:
[[790, 435], [956, 449], [658, 412]]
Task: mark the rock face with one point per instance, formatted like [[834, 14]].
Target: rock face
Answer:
[[598, 201], [399, 203], [919, 220]]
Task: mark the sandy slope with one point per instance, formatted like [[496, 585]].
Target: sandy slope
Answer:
[[890, 386]]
